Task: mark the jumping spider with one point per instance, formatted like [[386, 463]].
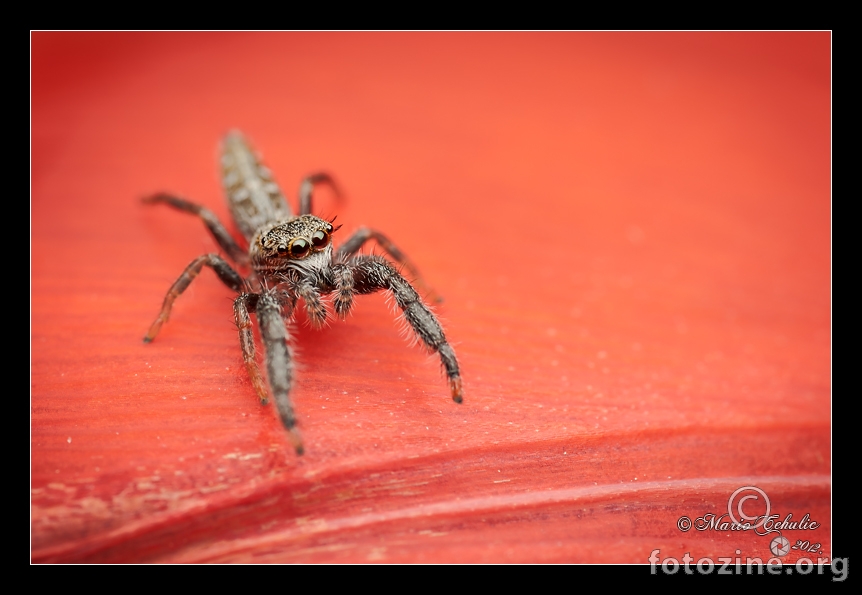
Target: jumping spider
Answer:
[[291, 257]]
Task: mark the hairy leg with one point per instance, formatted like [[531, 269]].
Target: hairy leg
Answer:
[[224, 271], [215, 227], [242, 305], [306, 190], [362, 235], [373, 273], [279, 362]]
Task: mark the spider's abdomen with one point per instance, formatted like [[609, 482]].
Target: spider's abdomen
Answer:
[[253, 196]]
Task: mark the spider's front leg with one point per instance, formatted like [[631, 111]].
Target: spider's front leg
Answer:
[[367, 274], [363, 235], [279, 363], [242, 305]]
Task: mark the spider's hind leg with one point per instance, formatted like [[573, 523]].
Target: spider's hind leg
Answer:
[[215, 227], [306, 190], [224, 271]]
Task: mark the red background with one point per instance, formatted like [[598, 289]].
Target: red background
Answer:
[[631, 232]]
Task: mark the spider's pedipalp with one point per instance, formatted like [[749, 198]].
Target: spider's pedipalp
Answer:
[[342, 278], [315, 308]]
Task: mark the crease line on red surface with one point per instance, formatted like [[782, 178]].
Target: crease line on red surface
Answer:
[[260, 490], [490, 504]]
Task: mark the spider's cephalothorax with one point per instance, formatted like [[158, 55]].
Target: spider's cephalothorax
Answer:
[[290, 250], [291, 257]]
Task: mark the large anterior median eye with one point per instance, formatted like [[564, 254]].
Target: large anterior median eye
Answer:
[[320, 239], [299, 248]]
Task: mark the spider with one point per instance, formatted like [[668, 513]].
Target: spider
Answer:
[[291, 257]]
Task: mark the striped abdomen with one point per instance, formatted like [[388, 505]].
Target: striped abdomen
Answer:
[[252, 195]]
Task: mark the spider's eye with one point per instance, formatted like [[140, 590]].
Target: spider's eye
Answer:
[[282, 249], [319, 239], [299, 248]]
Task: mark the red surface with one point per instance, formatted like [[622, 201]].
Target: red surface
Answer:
[[631, 232]]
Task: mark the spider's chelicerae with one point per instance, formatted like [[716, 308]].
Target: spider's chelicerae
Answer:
[[291, 257]]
